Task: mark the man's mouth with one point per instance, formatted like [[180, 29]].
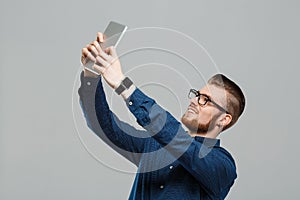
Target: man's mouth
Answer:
[[192, 110]]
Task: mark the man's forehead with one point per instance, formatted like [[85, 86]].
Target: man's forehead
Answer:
[[213, 92]]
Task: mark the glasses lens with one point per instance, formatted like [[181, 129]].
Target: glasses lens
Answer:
[[203, 99], [192, 94]]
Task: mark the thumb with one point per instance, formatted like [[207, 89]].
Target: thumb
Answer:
[[100, 37], [111, 51]]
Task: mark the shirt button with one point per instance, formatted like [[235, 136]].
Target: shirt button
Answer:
[[171, 167], [88, 83], [130, 103], [161, 187]]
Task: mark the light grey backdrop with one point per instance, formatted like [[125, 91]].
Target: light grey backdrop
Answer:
[[255, 43]]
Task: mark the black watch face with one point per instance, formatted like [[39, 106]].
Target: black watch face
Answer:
[[127, 82], [120, 89]]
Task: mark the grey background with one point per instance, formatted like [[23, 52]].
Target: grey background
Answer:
[[255, 43]]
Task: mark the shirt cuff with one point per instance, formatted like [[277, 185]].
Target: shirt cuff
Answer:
[[88, 84], [140, 105]]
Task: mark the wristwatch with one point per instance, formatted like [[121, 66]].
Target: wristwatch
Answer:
[[125, 84]]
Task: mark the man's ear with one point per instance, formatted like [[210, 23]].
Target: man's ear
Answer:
[[224, 120]]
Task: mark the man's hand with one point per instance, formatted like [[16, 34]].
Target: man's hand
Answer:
[[87, 56], [106, 62]]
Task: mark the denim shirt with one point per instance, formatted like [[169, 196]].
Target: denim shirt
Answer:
[[171, 164]]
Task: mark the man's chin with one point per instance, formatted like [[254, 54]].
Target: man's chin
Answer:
[[194, 127], [188, 124], [187, 118]]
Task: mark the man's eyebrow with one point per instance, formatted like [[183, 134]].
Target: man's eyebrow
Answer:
[[205, 94]]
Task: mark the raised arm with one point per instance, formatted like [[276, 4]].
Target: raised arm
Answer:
[[119, 135]]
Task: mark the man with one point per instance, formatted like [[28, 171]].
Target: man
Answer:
[[172, 163]]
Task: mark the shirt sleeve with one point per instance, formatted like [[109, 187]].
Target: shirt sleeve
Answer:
[[213, 168], [119, 135]]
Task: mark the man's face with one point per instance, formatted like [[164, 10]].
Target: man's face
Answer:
[[201, 119]]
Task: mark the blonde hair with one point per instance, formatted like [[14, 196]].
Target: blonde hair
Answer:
[[235, 104]]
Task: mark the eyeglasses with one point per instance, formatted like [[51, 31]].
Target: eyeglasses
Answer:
[[203, 99]]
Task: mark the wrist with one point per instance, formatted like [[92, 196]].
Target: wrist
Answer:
[[127, 93], [119, 83], [87, 73]]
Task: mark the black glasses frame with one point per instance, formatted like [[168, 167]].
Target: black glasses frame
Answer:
[[207, 99]]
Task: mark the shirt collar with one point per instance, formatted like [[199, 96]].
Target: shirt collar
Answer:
[[209, 142]]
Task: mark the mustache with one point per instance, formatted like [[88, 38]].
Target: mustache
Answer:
[[193, 108]]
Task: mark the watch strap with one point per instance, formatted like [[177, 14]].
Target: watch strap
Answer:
[[125, 84]]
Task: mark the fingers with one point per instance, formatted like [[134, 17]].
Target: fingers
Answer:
[[100, 37], [91, 51], [102, 61], [101, 64], [97, 46], [83, 60], [86, 54], [94, 52], [111, 51], [105, 56]]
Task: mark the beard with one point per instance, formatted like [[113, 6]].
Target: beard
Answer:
[[197, 127]]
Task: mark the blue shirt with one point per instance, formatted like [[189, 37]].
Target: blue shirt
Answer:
[[171, 164]]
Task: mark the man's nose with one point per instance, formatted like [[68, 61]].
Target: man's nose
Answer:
[[194, 101]]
